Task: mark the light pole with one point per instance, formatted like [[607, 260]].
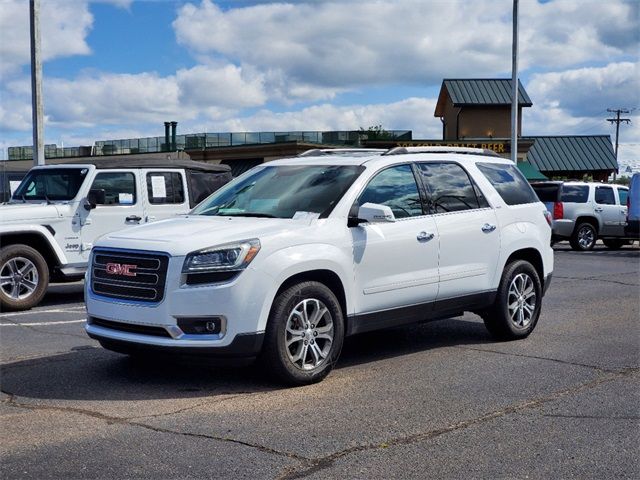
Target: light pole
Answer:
[[37, 109]]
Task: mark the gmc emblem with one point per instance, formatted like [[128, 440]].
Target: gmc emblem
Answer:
[[121, 269]]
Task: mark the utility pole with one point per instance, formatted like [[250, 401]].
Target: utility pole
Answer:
[[37, 110], [514, 85], [617, 121]]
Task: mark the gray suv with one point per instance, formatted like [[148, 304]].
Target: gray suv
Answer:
[[582, 212]]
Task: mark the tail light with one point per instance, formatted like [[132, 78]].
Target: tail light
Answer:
[[558, 210], [547, 216]]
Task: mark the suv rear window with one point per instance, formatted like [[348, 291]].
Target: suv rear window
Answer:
[[575, 193], [509, 183]]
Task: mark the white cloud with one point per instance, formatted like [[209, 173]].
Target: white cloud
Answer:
[[221, 86], [345, 44], [587, 92], [64, 26], [411, 114]]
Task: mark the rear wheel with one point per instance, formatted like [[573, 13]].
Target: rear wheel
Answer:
[[584, 237], [24, 277], [516, 309], [304, 334]]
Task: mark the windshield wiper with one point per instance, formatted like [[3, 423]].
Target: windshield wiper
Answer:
[[247, 214]]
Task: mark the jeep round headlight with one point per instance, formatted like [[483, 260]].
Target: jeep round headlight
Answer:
[[231, 256]]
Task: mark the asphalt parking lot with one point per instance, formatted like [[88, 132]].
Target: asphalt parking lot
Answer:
[[439, 400]]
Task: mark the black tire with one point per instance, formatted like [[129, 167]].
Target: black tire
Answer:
[[305, 298], [614, 243], [499, 318], [25, 277], [584, 237]]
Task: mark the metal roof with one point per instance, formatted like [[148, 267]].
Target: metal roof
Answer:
[[479, 91], [572, 153]]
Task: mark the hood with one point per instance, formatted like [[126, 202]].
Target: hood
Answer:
[[179, 236], [26, 213]]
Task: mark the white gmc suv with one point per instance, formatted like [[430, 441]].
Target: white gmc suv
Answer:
[[286, 260]]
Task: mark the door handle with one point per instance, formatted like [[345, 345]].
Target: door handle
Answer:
[[133, 218], [424, 236], [488, 228], [598, 209]]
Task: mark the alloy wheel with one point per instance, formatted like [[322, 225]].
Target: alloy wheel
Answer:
[[309, 334], [521, 300], [18, 278], [586, 237]]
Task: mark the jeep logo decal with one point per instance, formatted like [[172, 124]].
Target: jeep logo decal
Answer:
[[121, 269]]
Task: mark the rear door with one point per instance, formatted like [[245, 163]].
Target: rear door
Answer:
[[469, 240], [165, 194], [607, 211]]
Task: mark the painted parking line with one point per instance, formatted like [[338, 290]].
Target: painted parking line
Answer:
[[36, 312], [41, 324]]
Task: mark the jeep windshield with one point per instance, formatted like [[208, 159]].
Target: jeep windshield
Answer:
[[284, 191], [50, 184]]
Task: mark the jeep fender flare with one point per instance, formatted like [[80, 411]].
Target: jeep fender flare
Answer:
[[36, 230]]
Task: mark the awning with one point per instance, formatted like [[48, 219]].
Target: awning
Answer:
[[530, 172]]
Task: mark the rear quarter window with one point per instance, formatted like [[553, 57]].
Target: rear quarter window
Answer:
[[575, 193], [509, 183]]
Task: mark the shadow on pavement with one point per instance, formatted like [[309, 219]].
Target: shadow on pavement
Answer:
[[88, 373], [63, 294]]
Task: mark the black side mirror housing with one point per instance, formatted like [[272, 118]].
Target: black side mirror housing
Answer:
[[95, 197], [353, 220]]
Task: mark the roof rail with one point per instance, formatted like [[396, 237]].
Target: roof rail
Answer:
[[322, 152], [442, 149]]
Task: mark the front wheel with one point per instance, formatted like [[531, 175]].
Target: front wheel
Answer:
[[24, 277], [584, 237], [516, 309], [304, 334]]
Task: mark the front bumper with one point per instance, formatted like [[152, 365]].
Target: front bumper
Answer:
[[134, 326]]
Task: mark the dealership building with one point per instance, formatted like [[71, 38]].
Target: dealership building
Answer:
[[473, 112]]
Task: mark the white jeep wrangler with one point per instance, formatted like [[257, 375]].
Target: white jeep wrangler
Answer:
[[286, 260], [48, 227]]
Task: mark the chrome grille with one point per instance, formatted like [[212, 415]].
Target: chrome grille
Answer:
[[129, 275]]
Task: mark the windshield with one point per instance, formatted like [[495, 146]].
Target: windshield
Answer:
[[51, 184], [282, 191]]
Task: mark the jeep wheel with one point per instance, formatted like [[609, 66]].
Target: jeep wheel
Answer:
[[24, 277], [516, 309], [584, 237], [304, 334]]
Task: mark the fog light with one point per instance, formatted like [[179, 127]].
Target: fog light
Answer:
[[202, 325]]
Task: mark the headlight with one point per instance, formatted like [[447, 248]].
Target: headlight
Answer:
[[232, 256]]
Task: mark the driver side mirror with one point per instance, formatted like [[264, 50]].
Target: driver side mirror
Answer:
[[370, 213], [95, 197]]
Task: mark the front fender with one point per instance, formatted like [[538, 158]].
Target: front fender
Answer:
[[39, 230], [299, 259]]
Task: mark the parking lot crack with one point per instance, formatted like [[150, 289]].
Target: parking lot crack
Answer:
[[536, 357], [600, 279], [320, 464], [12, 401], [217, 400], [594, 417]]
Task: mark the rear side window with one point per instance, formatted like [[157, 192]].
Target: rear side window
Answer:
[[623, 193], [604, 196], [575, 193], [449, 188], [165, 187], [509, 183], [119, 187]]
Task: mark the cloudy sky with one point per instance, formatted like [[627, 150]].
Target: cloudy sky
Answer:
[[119, 68]]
